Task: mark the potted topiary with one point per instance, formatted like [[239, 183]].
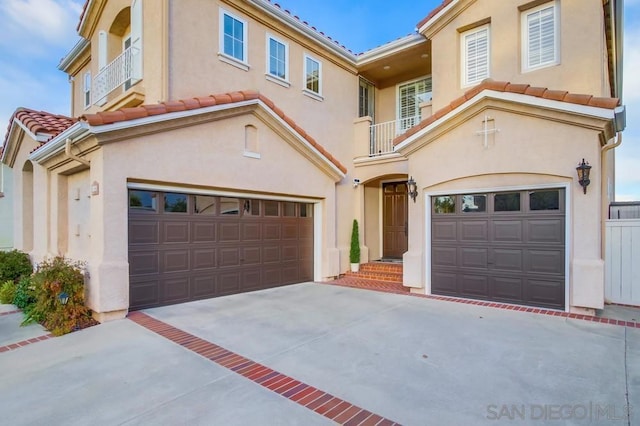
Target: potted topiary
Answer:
[[354, 252]]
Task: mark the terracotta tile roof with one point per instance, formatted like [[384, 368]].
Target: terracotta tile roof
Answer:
[[40, 122], [126, 114], [503, 86], [84, 11], [434, 12]]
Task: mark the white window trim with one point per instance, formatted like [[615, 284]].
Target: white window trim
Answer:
[[525, 36], [463, 55], [415, 80], [314, 95], [274, 78], [242, 64], [86, 89]]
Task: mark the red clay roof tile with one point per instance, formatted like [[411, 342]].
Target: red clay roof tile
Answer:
[[433, 13], [501, 86], [40, 122], [127, 114]]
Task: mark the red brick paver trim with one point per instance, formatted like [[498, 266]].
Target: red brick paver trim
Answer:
[[18, 345], [385, 287], [332, 407], [10, 312]]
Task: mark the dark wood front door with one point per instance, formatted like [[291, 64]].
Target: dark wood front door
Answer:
[[394, 223]]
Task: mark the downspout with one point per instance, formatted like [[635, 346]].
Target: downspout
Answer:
[[67, 151]]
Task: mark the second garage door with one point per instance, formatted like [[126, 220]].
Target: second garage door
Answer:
[[186, 247], [507, 246]]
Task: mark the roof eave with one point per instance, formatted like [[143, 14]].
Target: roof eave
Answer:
[[56, 145], [390, 48], [79, 48], [424, 27]]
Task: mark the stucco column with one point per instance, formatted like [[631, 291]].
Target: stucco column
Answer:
[[108, 285], [413, 259], [358, 214], [41, 209], [361, 137]]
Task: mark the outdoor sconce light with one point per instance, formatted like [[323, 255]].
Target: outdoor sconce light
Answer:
[[413, 188], [63, 298], [583, 170]]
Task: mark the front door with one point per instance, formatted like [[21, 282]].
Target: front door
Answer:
[[394, 223]]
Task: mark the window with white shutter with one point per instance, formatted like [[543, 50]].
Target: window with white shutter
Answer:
[[475, 55], [540, 37], [410, 95]]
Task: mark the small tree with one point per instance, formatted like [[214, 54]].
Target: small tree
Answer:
[[354, 253]]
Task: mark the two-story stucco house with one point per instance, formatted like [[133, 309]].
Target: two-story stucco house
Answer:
[[221, 146]]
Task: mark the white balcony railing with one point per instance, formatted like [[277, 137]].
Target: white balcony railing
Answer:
[[114, 75], [383, 134]]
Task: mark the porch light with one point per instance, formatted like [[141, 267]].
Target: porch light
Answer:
[[583, 170], [413, 188], [63, 298]]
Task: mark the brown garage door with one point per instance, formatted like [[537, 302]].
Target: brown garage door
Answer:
[[187, 247], [507, 247]]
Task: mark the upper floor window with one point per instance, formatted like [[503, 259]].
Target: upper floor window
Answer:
[[540, 37], [277, 58], [366, 99], [475, 55], [86, 89], [410, 95], [313, 77], [233, 37]]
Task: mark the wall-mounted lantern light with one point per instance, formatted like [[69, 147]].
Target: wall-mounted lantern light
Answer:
[[63, 298], [583, 170], [412, 188]]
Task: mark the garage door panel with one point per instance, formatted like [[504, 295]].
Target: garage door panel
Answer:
[[445, 231], [251, 256], [306, 271], [474, 231], [507, 289], [229, 232], [145, 293], [229, 256], [175, 260], [445, 256], [289, 231], [546, 261], [289, 252], [546, 230], [144, 262], [144, 232], [251, 232], [204, 286], [545, 292], [271, 254], [505, 259], [507, 231], [229, 282], [306, 230], [272, 276], [290, 273], [175, 232], [204, 232], [444, 283], [271, 231], [474, 257], [473, 285], [203, 258], [251, 279], [175, 289]]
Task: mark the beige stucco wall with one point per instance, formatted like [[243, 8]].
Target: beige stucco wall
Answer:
[[582, 67], [547, 154], [6, 207]]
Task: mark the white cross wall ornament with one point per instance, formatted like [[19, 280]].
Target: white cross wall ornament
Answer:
[[486, 131]]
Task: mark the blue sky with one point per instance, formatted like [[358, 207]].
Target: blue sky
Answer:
[[30, 50]]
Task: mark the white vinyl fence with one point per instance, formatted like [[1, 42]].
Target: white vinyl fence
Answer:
[[622, 261]]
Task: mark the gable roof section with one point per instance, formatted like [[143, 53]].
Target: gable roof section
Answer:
[[434, 12], [128, 114], [508, 88], [41, 126]]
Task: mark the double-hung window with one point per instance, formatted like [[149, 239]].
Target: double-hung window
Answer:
[[410, 95], [475, 55], [86, 89], [312, 77], [277, 59], [233, 39], [540, 37]]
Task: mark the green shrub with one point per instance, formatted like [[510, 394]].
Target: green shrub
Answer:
[[25, 295], [354, 253], [52, 279], [13, 265], [7, 292]]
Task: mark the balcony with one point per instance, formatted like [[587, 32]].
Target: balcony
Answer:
[[124, 71], [381, 135]]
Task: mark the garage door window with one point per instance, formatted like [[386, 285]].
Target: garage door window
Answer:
[[507, 202], [444, 205], [143, 201], [474, 203], [175, 203], [204, 204], [251, 208], [289, 209], [271, 208], [544, 200], [229, 206], [306, 210]]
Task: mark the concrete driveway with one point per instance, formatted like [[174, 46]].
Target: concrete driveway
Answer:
[[404, 359]]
